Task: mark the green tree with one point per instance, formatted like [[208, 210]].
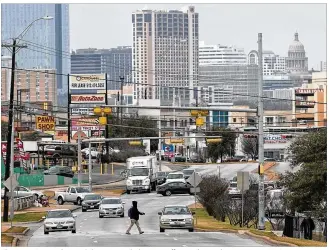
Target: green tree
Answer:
[[307, 187], [129, 130], [225, 147], [4, 130], [250, 147]]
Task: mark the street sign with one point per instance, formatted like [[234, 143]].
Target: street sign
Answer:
[[135, 143], [22, 129], [176, 140], [45, 123], [195, 190], [103, 120], [197, 113], [11, 183], [199, 121], [243, 180], [194, 179], [215, 140]]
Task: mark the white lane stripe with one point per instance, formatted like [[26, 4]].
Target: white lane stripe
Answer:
[[175, 239]]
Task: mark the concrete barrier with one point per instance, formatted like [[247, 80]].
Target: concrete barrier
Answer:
[[23, 202]]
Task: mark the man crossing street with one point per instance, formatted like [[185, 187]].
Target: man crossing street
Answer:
[[133, 214]]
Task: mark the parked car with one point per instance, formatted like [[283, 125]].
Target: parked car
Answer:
[[187, 173], [60, 170], [59, 220], [21, 191], [176, 187], [94, 152], [161, 177], [176, 217], [233, 189], [59, 151], [111, 207], [72, 194], [175, 176], [91, 201]]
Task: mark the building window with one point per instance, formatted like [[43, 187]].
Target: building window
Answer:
[[269, 120], [234, 120]]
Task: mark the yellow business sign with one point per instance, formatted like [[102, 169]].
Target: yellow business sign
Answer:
[[176, 141], [135, 143], [199, 121], [103, 120], [45, 123], [213, 140]]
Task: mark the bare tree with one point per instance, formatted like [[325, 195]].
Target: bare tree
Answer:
[[250, 147]]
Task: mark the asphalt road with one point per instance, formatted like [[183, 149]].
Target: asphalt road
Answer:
[[95, 232]]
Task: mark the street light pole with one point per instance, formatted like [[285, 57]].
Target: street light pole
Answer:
[[11, 112], [261, 212], [121, 97]]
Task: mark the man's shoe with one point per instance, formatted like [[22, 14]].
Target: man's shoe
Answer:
[[141, 232], [127, 233]]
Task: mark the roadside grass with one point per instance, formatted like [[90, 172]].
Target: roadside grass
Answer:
[[6, 239], [206, 222], [28, 217], [49, 193], [16, 230]]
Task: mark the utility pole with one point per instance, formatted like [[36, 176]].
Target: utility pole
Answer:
[[160, 144], [261, 208], [10, 126], [107, 128], [79, 156], [197, 128], [121, 97], [68, 110], [174, 128]]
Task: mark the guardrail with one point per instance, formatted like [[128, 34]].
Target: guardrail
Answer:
[[23, 202]]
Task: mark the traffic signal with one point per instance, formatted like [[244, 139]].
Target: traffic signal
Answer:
[[260, 169]]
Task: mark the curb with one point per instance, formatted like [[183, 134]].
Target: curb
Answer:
[[270, 240], [15, 242], [265, 238], [23, 233]]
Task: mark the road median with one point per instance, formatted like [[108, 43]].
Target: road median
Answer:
[[207, 223]]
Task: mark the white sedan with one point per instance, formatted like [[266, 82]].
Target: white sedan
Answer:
[[21, 191], [111, 207], [59, 220]]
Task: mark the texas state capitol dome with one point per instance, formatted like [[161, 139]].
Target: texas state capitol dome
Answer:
[[297, 62]]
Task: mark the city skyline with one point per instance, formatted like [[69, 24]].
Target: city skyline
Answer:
[[312, 30]]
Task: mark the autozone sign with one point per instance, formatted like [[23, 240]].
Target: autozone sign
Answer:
[[88, 98], [85, 81]]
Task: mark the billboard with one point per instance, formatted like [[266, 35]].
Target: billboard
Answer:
[[45, 123], [88, 82], [87, 98]]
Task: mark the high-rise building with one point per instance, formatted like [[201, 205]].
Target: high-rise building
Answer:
[[323, 66], [272, 64], [241, 80], [48, 42], [221, 55], [115, 62], [165, 53], [297, 62]]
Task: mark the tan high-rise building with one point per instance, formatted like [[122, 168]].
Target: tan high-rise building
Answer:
[[33, 88]]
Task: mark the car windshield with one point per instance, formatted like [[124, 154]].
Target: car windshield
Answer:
[[188, 171], [111, 201], [175, 176], [176, 210], [59, 214], [161, 174], [139, 172], [82, 190], [93, 197], [233, 185]]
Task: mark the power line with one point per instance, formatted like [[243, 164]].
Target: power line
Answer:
[[181, 88]]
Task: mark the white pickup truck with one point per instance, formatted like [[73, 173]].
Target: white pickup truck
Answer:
[[72, 194]]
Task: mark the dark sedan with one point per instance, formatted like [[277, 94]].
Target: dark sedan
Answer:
[[177, 187], [60, 170], [91, 201]]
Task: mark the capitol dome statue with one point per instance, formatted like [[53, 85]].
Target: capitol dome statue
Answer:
[[297, 62]]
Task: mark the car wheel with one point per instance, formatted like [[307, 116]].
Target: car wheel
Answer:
[[84, 210], [149, 190], [191, 230], [128, 191], [74, 231], [100, 216], [162, 230], [122, 215], [60, 201], [79, 201], [45, 232], [168, 193]]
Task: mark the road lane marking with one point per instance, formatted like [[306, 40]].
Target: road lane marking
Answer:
[[175, 239], [167, 234], [95, 241], [184, 246]]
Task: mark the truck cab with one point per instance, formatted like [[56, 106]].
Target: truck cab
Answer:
[[141, 173]]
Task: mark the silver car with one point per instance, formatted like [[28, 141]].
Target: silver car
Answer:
[[59, 220], [176, 217], [111, 207]]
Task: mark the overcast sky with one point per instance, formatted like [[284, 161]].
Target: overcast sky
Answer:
[[109, 25]]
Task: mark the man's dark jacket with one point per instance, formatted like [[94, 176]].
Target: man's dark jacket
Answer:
[[133, 212]]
